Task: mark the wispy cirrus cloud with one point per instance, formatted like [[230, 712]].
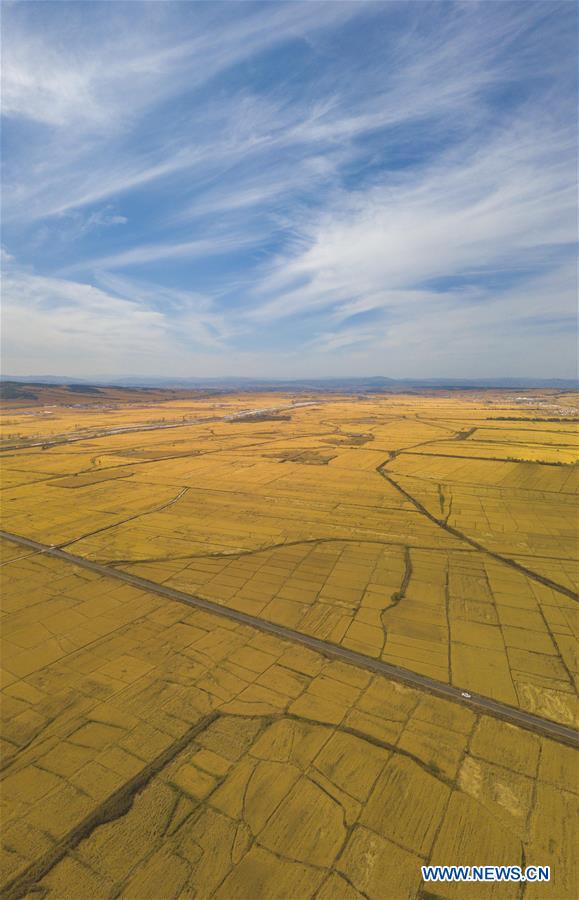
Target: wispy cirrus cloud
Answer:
[[330, 177], [99, 71], [506, 207], [146, 253], [132, 323], [94, 82]]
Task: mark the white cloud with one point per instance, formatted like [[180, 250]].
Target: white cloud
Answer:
[[147, 253], [54, 324], [94, 85], [384, 195], [527, 330], [95, 90], [492, 209]]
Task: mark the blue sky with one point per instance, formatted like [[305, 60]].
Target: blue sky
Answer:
[[289, 189]]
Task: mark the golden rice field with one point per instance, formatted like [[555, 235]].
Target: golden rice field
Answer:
[[152, 750]]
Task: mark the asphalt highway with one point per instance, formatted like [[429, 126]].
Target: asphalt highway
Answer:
[[477, 702], [75, 437]]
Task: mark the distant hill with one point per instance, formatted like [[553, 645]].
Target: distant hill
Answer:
[[334, 385], [15, 394]]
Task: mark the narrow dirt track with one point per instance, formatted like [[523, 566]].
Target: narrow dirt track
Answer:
[[442, 523]]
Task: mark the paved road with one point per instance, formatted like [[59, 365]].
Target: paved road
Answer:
[[537, 724], [74, 437]]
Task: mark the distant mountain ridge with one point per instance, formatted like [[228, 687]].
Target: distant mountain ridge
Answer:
[[332, 384]]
